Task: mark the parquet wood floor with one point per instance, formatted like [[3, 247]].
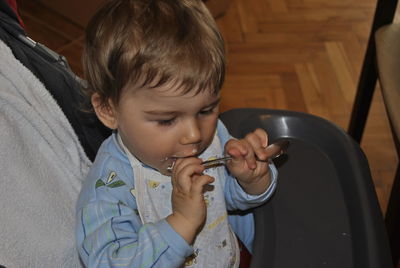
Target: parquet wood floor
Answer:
[[301, 55]]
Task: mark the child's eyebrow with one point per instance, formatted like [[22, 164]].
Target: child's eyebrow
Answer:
[[214, 103], [160, 112]]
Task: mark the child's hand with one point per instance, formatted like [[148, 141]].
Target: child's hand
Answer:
[[188, 206], [252, 175]]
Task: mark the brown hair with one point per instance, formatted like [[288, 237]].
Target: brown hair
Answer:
[[148, 43]]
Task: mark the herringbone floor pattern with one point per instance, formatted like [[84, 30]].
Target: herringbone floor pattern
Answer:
[[301, 55], [306, 56]]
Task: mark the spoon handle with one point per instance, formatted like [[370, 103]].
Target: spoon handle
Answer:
[[275, 150]]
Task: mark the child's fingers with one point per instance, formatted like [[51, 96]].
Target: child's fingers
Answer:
[[241, 150], [250, 157], [235, 148], [199, 182], [258, 140], [183, 171], [181, 163], [262, 135]]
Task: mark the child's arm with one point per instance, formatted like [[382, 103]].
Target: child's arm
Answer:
[[109, 230], [188, 206], [111, 234]]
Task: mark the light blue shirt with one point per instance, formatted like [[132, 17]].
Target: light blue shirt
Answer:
[[109, 230]]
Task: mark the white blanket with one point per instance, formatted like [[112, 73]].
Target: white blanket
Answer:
[[42, 165]]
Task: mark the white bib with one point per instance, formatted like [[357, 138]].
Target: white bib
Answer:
[[216, 245]]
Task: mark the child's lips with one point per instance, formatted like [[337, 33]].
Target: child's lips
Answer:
[[187, 154], [183, 156], [175, 158]]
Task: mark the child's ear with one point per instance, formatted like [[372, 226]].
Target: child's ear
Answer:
[[105, 112]]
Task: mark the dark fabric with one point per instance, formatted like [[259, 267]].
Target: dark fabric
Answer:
[[57, 79], [8, 9], [13, 5]]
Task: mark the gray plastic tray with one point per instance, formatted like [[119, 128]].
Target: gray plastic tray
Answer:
[[325, 211]]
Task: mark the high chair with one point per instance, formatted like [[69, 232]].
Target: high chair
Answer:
[[325, 211]]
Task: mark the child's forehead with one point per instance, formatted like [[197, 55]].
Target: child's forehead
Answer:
[[178, 90], [175, 89], [170, 97]]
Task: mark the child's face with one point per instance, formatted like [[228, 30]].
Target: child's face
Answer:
[[159, 125]]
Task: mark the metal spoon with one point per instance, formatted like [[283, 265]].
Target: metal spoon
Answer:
[[275, 150]]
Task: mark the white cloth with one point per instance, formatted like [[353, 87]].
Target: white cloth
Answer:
[[42, 165], [216, 245]]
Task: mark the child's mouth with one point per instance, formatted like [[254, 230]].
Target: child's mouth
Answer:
[[175, 157]]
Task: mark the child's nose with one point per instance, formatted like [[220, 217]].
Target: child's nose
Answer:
[[191, 133]]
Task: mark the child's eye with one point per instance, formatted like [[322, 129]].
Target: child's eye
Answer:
[[166, 122], [206, 112]]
